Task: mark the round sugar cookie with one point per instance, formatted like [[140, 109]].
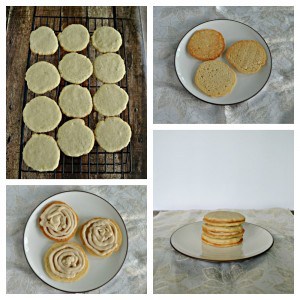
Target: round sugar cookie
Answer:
[[42, 77], [41, 114], [247, 56], [41, 153], [109, 68], [66, 262], [221, 242], [222, 229], [75, 68], [106, 39], [110, 100], [206, 44], [224, 218], [74, 138], [113, 134], [75, 101], [43, 41], [74, 37], [215, 78]]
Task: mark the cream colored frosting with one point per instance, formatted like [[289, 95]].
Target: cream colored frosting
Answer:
[[100, 236], [67, 261], [58, 221]]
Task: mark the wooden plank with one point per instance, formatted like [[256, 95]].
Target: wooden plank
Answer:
[[100, 12], [138, 95], [17, 42]]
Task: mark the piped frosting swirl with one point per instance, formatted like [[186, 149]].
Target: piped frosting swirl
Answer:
[[58, 221], [67, 261], [101, 236]]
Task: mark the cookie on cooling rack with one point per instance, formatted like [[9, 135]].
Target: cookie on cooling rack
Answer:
[[74, 37], [41, 114], [74, 138], [42, 77], [43, 41], [75, 68], [41, 153], [110, 100], [109, 68], [75, 101], [113, 134], [106, 39]]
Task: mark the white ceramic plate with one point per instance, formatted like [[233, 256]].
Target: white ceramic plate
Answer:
[[101, 270], [187, 240], [246, 86]]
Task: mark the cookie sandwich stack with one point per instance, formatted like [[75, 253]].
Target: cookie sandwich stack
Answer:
[[223, 228]]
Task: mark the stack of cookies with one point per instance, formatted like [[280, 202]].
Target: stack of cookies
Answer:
[[223, 228]]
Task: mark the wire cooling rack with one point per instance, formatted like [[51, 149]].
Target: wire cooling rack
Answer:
[[98, 161]]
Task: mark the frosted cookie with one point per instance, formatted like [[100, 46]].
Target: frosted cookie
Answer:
[[75, 68], [206, 44], [58, 221], [110, 100], [247, 56], [41, 153], [106, 39], [74, 38], [66, 262], [43, 41], [42, 77], [109, 68], [75, 101], [101, 237], [113, 134], [215, 78], [41, 114], [223, 218], [74, 138]]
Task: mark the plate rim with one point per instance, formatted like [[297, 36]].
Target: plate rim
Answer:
[[221, 261], [221, 104], [84, 291]]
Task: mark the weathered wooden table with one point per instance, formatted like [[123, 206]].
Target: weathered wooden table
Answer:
[[133, 24]]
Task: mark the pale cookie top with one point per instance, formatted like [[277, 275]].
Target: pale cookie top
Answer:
[[75, 68], [66, 260], [110, 100], [101, 236], [113, 134], [75, 101], [224, 217], [106, 39], [74, 138], [215, 78], [41, 114], [43, 41], [74, 38], [109, 67], [247, 56], [42, 77], [58, 221], [206, 44], [41, 153]]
